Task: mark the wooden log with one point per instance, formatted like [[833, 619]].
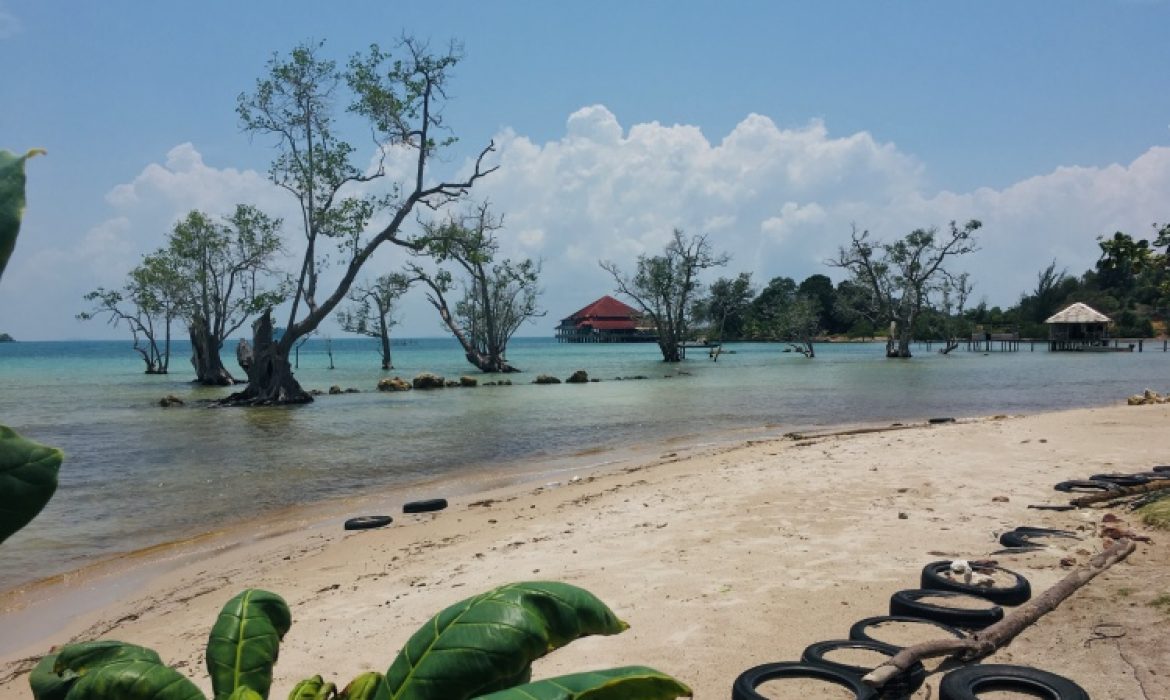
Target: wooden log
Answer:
[[1156, 485], [985, 642]]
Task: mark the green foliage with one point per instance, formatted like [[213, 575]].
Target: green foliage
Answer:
[[612, 684], [480, 645], [137, 679], [28, 479], [364, 687], [314, 688], [488, 642], [1156, 514], [12, 200], [245, 642]]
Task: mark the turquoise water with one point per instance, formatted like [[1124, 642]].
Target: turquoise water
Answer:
[[137, 474]]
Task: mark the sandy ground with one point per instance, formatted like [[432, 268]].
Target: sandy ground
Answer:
[[719, 558]]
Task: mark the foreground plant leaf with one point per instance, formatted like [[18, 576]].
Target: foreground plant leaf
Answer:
[[245, 642], [11, 200], [28, 478], [489, 642], [314, 688], [55, 674], [625, 683], [139, 679], [361, 688], [243, 693], [45, 682]]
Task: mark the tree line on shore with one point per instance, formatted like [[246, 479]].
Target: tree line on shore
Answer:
[[215, 275]]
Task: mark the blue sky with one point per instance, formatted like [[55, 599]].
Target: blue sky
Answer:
[[779, 124]]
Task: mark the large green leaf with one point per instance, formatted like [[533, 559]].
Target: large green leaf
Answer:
[[28, 478], [45, 682], [140, 679], [11, 200], [83, 657], [243, 693], [55, 674], [361, 688], [245, 642], [489, 642], [625, 683]]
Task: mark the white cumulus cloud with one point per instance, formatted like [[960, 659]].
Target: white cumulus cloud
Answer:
[[780, 200]]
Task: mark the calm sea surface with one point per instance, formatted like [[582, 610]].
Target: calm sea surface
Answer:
[[136, 474]]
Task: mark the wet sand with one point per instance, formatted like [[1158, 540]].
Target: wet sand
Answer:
[[720, 557]]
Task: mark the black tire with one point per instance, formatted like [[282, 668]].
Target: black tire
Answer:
[[936, 421], [902, 685], [1161, 469], [1122, 479], [1015, 594], [745, 685], [1085, 486], [965, 683], [860, 629], [366, 522], [907, 603], [427, 506], [1025, 536]]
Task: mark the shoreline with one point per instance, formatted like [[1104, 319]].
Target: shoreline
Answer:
[[653, 501]]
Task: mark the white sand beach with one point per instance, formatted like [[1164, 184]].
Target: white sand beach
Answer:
[[720, 558]]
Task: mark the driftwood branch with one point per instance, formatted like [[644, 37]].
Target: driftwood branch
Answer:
[[986, 641], [1157, 485]]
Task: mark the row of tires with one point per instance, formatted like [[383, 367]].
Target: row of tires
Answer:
[[1098, 483], [907, 606], [368, 522]]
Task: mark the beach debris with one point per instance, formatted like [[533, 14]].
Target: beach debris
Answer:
[[578, 377], [987, 641], [971, 577], [170, 400], [903, 516], [1000, 499], [1148, 397]]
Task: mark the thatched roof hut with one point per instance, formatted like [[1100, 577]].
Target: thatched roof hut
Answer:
[[1078, 327]]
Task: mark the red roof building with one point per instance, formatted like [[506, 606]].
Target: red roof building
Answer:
[[606, 320]]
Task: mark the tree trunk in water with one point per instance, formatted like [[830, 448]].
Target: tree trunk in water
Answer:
[[670, 350], [209, 369], [898, 341], [489, 363], [386, 363], [270, 377]]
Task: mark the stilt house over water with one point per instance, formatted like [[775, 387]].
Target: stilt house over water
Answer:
[[606, 320], [1078, 327]]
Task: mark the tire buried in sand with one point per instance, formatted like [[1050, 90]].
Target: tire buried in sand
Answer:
[[969, 682], [428, 506], [861, 629], [745, 685], [367, 522], [909, 603], [934, 578], [903, 684]]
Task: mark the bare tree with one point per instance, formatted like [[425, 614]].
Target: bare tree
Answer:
[[664, 287], [401, 97], [371, 313], [498, 297], [148, 304], [900, 277]]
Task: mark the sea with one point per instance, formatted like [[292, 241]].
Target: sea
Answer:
[[137, 475]]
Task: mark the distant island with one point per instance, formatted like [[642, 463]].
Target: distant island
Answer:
[[5, 338]]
